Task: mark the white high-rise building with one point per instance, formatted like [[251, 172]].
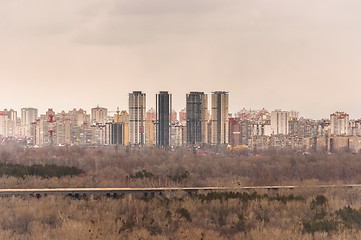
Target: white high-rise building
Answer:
[[279, 122], [28, 116], [11, 126], [3, 124], [339, 123], [137, 117]]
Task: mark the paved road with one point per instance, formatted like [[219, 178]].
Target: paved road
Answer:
[[112, 192]]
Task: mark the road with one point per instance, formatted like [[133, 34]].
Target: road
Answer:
[[113, 192]]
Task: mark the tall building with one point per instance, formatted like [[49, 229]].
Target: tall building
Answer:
[[173, 117], [151, 115], [177, 134], [164, 111], [63, 128], [339, 123], [43, 130], [137, 106], [219, 118], [183, 117], [50, 123], [12, 129], [8, 123], [118, 130], [115, 133], [120, 133], [28, 116], [197, 114], [3, 123], [279, 122], [99, 115]]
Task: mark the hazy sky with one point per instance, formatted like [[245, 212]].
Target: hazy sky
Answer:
[[300, 55]]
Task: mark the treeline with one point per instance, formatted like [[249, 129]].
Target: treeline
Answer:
[[43, 171], [152, 167]]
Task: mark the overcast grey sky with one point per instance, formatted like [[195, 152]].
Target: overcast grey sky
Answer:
[[300, 55]]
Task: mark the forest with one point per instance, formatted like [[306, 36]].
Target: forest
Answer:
[[304, 213]]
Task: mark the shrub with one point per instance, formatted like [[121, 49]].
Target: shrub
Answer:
[[184, 213], [44, 171], [350, 217]]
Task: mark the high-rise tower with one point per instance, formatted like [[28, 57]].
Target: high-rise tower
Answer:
[[197, 112], [219, 118], [137, 108], [164, 108], [28, 116], [99, 115], [279, 122], [339, 123]]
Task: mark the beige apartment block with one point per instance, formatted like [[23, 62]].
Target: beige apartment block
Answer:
[[219, 118]]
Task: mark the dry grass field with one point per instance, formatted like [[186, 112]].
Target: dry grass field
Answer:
[[281, 214]]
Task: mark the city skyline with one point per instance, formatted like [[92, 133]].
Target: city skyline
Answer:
[[111, 112], [253, 129], [294, 55]]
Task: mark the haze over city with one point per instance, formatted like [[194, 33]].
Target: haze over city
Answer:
[[292, 55], [180, 119]]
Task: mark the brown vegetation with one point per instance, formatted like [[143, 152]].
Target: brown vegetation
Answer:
[[151, 167], [176, 216], [282, 214]]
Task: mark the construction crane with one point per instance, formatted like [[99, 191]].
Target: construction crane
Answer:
[[117, 114], [51, 120]]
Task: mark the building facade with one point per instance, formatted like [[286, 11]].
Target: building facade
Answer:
[[99, 115], [137, 117], [28, 116], [339, 123], [163, 120], [219, 118], [279, 122], [197, 115]]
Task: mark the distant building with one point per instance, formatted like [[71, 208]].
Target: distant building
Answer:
[[254, 115], [197, 115], [63, 126], [219, 118], [241, 131], [3, 124], [28, 116], [99, 115], [163, 121], [151, 115], [150, 133], [98, 134], [173, 117], [302, 127], [279, 122], [117, 132], [137, 108], [43, 130], [183, 117], [234, 132], [355, 127], [339, 123], [177, 134], [8, 123], [293, 115]]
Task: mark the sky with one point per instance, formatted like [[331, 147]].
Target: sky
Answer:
[[302, 55]]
